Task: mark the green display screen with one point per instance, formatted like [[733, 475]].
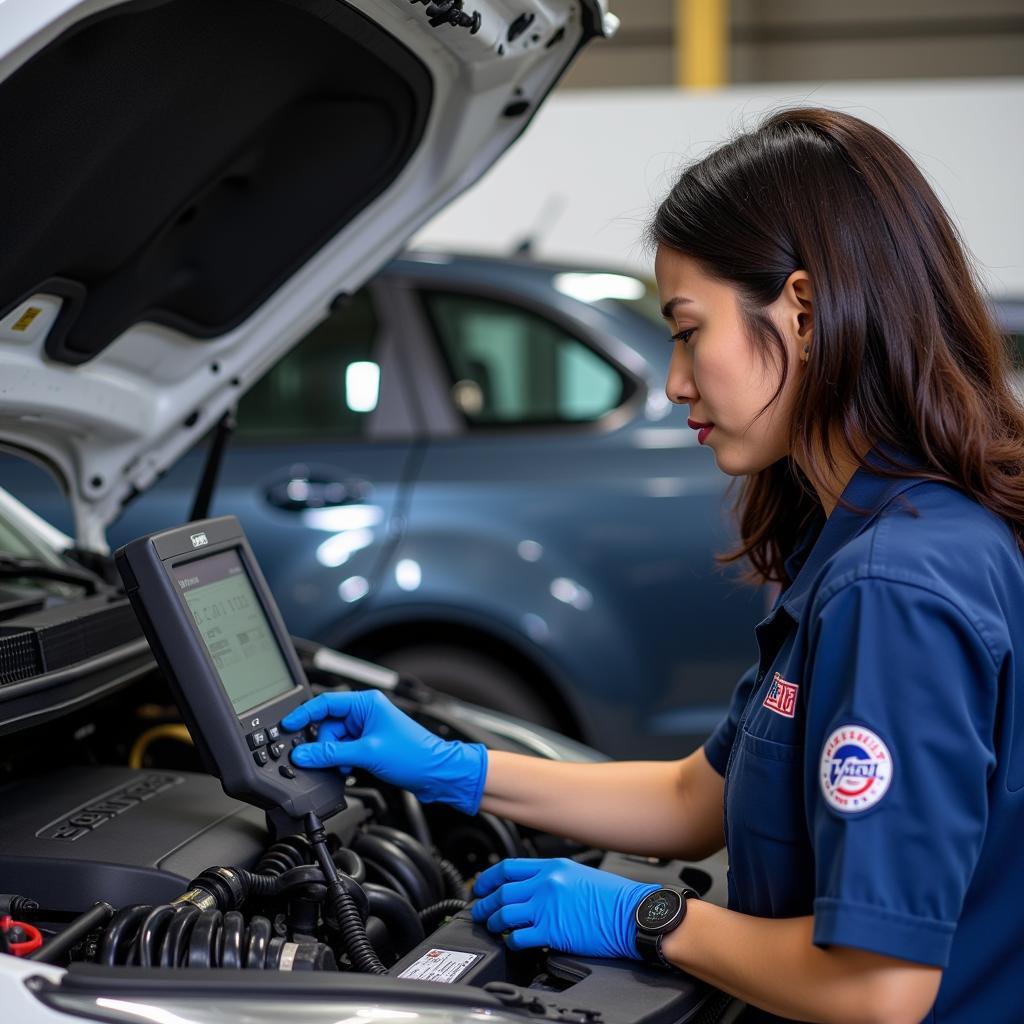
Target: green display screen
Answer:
[[235, 630]]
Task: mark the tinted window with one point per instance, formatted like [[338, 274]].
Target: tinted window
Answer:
[[326, 386], [510, 366]]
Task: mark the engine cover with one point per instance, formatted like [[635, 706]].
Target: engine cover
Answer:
[[123, 835]]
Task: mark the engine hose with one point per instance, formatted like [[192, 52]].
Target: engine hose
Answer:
[[433, 915], [151, 934], [174, 948], [416, 819], [117, 939], [277, 885], [454, 883], [350, 863], [381, 876], [227, 889], [404, 927], [56, 947], [286, 853], [418, 853], [16, 905], [390, 856], [294, 852], [185, 936], [232, 942], [259, 942], [202, 943], [361, 953]]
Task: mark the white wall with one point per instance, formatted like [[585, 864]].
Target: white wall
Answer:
[[588, 172]]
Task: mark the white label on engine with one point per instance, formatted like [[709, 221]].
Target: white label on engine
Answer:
[[288, 951], [444, 965]]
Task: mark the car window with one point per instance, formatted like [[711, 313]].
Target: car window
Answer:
[[326, 386], [509, 365]]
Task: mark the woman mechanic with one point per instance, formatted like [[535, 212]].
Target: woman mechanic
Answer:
[[836, 354]]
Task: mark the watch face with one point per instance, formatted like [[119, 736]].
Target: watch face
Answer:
[[659, 909]]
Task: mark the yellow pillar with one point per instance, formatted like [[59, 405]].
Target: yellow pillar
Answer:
[[701, 43]]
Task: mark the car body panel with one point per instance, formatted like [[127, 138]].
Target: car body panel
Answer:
[[111, 421], [586, 549]]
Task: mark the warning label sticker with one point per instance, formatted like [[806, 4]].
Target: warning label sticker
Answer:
[[24, 322], [444, 965]]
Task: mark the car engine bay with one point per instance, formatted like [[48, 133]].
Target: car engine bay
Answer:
[[119, 854]]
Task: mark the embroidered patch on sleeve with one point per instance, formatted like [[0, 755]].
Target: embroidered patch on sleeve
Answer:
[[781, 697], [856, 769]]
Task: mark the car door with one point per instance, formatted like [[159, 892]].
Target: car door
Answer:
[[315, 470], [560, 516]]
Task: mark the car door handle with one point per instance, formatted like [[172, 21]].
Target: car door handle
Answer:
[[302, 488]]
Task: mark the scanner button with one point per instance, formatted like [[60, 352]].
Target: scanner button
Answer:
[[287, 771], [273, 733], [276, 750], [256, 739], [260, 757]]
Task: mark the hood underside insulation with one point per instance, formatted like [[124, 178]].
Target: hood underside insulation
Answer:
[[175, 161]]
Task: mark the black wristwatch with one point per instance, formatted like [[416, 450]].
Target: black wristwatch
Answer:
[[657, 914]]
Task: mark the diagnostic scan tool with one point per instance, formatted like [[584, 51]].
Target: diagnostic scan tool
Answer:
[[217, 634]]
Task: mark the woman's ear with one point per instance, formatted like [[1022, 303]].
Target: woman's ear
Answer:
[[798, 295]]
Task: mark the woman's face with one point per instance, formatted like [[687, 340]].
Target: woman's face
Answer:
[[719, 373]]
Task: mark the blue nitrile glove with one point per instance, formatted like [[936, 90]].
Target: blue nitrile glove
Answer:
[[365, 730], [561, 904]]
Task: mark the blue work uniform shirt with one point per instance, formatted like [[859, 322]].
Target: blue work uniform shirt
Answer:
[[873, 758]]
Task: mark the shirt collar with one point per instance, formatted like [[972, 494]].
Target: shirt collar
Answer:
[[866, 494]]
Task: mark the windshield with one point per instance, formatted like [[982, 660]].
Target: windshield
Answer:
[[24, 535]]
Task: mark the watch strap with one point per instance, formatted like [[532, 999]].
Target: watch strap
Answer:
[[649, 946]]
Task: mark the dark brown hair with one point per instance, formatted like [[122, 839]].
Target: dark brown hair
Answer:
[[905, 351]]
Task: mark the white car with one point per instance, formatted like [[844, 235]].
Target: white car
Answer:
[[187, 186]]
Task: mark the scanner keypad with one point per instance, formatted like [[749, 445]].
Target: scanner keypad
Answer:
[[267, 745]]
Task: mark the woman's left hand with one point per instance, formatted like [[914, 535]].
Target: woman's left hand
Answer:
[[561, 904]]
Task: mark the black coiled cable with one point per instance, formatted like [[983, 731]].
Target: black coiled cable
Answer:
[[454, 883], [353, 929], [433, 915]]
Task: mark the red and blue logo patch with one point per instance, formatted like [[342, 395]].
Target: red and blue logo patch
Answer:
[[856, 769], [781, 697]]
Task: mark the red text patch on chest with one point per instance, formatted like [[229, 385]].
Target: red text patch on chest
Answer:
[[782, 697]]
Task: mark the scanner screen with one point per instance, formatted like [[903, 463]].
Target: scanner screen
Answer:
[[234, 628]]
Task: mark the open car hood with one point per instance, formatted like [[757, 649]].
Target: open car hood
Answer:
[[188, 184]]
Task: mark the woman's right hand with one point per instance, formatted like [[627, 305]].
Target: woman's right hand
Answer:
[[365, 730]]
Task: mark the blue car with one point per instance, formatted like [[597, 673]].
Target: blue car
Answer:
[[470, 472]]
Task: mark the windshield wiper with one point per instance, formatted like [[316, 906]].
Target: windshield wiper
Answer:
[[12, 568]]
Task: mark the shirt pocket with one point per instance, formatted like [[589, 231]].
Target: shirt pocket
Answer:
[[766, 789]]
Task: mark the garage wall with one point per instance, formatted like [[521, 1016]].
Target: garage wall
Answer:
[[586, 175], [808, 40]]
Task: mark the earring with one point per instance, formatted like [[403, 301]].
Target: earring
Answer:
[[807, 352]]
